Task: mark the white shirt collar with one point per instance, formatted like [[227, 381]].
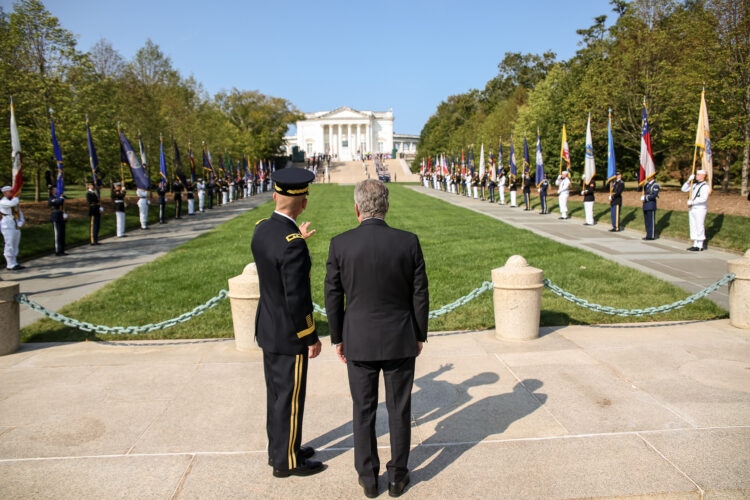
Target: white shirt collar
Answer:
[[378, 218], [285, 215]]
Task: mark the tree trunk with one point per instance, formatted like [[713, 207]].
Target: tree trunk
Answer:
[[727, 164], [746, 159], [36, 184]]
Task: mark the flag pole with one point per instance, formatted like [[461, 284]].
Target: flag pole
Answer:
[[122, 173], [609, 116]]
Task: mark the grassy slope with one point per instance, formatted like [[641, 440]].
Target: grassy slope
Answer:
[[460, 247]]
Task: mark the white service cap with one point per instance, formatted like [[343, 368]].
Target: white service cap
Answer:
[[701, 172], [5, 188]]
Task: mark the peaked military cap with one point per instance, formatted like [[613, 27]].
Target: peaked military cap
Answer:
[[292, 181]]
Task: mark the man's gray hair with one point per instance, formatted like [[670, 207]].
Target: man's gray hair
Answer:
[[371, 196]]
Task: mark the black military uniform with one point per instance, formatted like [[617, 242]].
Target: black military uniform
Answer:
[[210, 186], [177, 190], [161, 193], [615, 204], [543, 195], [650, 195], [58, 223], [190, 196], [285, 328], [491, 186], [94, 215], [527, 191]]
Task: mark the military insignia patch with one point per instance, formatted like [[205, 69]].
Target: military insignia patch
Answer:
[[293, 236]]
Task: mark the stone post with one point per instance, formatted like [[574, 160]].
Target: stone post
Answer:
[[518, 300], [10, 318], [244, 293], [739, 292]]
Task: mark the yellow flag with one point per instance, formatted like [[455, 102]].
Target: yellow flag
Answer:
[[703, 141]]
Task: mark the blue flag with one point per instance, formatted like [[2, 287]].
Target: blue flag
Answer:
[[611, 166], [208, 165], [60, 186], [526, 162], [96, 178], [162, 166], [512, 160], [130, 158], [539, 161], [178, 172]]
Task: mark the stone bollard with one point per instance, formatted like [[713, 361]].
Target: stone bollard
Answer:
[[518, 300], [10, 318], [244, 293], [739, 292]]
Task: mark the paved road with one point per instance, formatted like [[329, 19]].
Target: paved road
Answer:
[[56, 281], [664, 258], [657, 410]]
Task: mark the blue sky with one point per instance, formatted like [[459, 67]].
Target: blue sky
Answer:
[[320, 55]]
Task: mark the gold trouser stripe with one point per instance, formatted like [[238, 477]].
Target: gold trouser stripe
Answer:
[[617, 217], [91, 230], [293, 418]]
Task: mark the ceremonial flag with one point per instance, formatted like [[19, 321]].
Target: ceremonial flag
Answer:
[[500, 155], [471, 160], [589, 166], [58, 158], [481, 162], [207, 164], [648, 168], [192, 162], [15, 142], [129, 158], [539, 160], [463, 164], [611, 167], [142, 150], [564, 150], [162, 166], [445, 166], [526, 161], [512, 160], [221, 166], [178, 165], [703, 142], [96, 178], [493, 169]]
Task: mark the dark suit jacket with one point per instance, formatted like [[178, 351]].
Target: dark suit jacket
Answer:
[[284, 322], [380, 272]]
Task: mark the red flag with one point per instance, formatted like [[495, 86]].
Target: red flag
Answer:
[[15, 154]]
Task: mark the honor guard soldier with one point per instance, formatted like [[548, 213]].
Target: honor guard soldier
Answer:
[[161, 199], [284, 323], [143, 203], [501, 187], [650, 195], [615, 202], [201, 195], [475, 184], [210, 188], [527, 191], [491, 186], [588, 202], [177, 188], [542, 190], [190, 198], [95, 213], [10, 224], [57, 218], [512, 190], [483, 183], [118, 197], [698, 203], [563, 192]]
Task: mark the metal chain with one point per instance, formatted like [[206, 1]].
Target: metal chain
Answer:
[[22, 298], [638, 312]]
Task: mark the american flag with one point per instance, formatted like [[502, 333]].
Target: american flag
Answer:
[[648, 168]]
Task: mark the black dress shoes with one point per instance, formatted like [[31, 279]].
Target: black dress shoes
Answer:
[[692, 249], [396, 488], [370, 491], [305, 452], [647, 238], [306, 468]]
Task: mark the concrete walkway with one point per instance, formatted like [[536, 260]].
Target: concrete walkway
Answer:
[[664, 258], [56, 281], [656, 410]]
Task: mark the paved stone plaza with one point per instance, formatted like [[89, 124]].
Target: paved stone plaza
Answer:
[[585, 411]]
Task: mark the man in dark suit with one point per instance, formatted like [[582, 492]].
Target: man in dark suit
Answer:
[[284, 324], [379, 273]]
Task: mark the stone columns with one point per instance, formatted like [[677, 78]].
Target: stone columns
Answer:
[[244, 294], [10, 318], [739, 292], [517, 299]]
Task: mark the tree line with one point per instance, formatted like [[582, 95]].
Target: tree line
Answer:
[[42, 69], [665, 51]]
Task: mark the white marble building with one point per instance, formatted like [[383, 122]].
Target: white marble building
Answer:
[[347, 133]]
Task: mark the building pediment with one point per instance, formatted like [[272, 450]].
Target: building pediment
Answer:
[[344, 113]]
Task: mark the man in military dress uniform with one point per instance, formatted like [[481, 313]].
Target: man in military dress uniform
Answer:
[[118, 197], [57, 218], [161, 197], [177, 189], [615, 202], [143, 203], [210, 188], [501, 186], [527, 191], [512, 190], [284, 324], [491, 187], [650, 194], [190, 198], [563, 191], [11, 220], [95, 213], [698, 203], [542, 190]]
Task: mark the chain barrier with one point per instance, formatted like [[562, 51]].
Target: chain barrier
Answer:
[[22, 298], [638, 312]]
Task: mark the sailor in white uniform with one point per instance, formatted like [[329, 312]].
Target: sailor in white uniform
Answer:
[[10, 223], [698, 203], [143, 206], [563, 191]]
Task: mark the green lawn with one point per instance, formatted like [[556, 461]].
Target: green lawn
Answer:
[[460, 248]]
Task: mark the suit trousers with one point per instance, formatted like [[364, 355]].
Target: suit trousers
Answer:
[[398, 375], [286, 385]]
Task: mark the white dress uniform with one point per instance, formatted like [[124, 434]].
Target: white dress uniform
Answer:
[[201, 195], [698, 204], [563, 190], [142, 206], [12, 220], [501, 189]]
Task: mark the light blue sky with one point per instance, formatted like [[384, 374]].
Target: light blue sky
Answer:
[[405, 55]]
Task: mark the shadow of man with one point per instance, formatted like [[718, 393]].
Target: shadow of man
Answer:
[[715, 227], [462, 429], [663, 222]]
